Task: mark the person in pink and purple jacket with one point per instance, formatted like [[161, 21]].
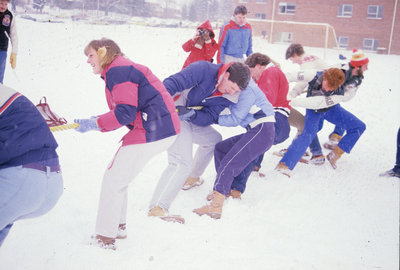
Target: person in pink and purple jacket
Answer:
[[138, 100]]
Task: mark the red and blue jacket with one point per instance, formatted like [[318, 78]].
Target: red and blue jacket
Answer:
[[138, 100], [234, 40], [196, 87], [24, 134]]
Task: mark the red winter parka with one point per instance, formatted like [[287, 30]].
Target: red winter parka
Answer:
[[200, 52]]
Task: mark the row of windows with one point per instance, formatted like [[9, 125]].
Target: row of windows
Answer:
[[344, 10], [369, 44]]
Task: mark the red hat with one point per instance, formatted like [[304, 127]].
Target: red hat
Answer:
[[358, 58]]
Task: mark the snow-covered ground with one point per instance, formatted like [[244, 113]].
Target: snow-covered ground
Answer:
[[320, 218]]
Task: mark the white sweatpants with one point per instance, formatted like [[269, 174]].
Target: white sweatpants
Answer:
[[126, 165], [181, 163]]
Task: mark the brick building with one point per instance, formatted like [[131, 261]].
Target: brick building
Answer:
[[373, 25]]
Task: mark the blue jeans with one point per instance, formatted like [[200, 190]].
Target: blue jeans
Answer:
[[313, 123], [3, 58], [26, 193]]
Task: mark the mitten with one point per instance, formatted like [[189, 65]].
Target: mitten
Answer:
[[13, 60], [87, 124], [185, 114]]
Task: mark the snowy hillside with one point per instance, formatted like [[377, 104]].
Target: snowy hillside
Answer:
[[320, 218]]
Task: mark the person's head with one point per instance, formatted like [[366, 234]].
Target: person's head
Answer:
[[100, 53], [4, 5], [239, 14], [257, 63], [332, 78], [235, 79], [294, 52], [359, 61]]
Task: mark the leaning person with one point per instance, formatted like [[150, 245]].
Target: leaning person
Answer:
[[138, 100]]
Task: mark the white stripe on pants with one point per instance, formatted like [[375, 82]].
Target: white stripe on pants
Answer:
[[180, 161], [126, 165]]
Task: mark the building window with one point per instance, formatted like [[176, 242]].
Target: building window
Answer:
[[261, 1], [345, 10], [370, 44], [285, 37], [343, 42], [261, 16], [374, 12], [286, 8]]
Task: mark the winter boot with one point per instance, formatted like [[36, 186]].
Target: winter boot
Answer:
[[235, 194], [334, 155], [334, 139], [214, 209], [283, 169], [122, 232], [317, 160], [192, 182], [103, 242], [163, 214]]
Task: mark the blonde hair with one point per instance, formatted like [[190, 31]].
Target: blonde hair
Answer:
[[334, 77], [106, 49]]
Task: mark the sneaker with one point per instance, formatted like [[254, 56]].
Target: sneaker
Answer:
[[163, 214], [390, 173], [103, 242], [192, 182], [122, 232], [317, 160], [283, 169], [283, 151]]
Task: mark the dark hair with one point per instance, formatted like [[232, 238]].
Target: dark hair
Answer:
[[239, 73], [294, 48], [257, 59], [240, 10]]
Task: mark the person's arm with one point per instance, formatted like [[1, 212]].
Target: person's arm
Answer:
[[222, 40], [250, 42], [238, 111], [188, 45], [185, 79], [14, 36]]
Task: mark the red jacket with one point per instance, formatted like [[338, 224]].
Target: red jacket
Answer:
[[275, 86], [197, 52]]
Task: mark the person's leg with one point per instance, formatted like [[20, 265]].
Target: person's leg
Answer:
[[180, 161], [354, 127], [397, 165], [3, 60], [303, 140], [26, 193], [4, 232], [282, 128], [243, 149], [126, 165], [296, 119], [206, 138]]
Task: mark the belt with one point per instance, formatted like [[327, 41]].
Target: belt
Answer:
[[43, 168]]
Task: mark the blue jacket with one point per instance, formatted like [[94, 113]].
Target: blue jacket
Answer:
[[234, 40], [24, 134], [239, 112], [196, 86]]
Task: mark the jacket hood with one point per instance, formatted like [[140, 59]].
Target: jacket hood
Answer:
[[207, 25]]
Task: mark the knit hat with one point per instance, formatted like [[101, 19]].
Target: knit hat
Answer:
[[358, 58]]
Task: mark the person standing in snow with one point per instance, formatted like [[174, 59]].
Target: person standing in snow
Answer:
[[30, 176], [235, 38], [138, 100], [295, 53], [202, 46], [8, 31], [324, 93], [201, 91], [395, 172], [358, 62]]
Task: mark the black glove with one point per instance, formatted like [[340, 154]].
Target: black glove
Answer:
[[185, 114]]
